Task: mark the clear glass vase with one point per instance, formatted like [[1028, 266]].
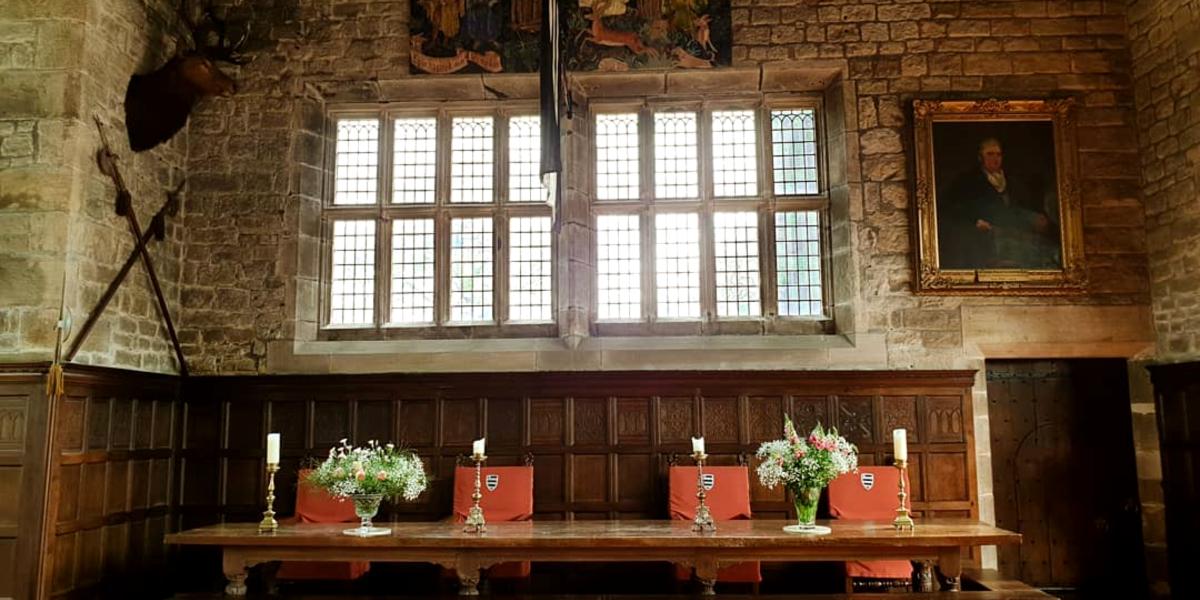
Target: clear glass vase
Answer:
[[805, 500], [366, 506]]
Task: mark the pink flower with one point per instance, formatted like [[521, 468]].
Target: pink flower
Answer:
[[360, 475], [799, 452], [381, 475]]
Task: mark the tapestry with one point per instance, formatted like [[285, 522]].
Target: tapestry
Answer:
[[620, 35], [501, 36]]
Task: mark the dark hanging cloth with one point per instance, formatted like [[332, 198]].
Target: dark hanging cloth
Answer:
[[551, 92]]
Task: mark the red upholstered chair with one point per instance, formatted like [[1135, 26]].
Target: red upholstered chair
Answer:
[[870, 494], [727, 500], [507, 496], [313, 505]]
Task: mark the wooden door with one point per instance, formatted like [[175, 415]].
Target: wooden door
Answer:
[[1064, 475], [1177, 402]]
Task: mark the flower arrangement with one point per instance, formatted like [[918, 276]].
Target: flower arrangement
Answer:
[[373, 469], [805, 465], [808, 462]]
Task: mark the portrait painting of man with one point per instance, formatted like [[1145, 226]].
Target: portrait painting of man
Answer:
[[996, 199]]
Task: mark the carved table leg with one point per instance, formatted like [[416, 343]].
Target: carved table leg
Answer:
[[235, 570], [924, 576], [706, 572], [950, 564], [468, 577]]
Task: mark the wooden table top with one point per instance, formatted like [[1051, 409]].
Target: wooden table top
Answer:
[[605, 534]]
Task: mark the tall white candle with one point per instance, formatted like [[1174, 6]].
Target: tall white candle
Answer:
[[900, 444], [273, 448], [698, 445], [477, 447]]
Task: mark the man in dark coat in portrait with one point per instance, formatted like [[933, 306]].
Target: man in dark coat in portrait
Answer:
[[988, 220]]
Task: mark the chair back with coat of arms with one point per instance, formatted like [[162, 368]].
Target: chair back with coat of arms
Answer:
[[727, 494]]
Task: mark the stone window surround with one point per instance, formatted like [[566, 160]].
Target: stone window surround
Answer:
[[307, 349]]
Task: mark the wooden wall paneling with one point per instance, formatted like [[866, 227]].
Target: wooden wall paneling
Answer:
[[594, 456]]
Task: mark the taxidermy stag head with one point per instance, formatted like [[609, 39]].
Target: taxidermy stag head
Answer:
[[157, 104]]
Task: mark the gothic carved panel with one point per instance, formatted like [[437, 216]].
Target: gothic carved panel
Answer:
[[898, 412], [591, 421], [12, 423], [546, 418], [633, 421], [807, 411], [766, 418], [676, 424], [721, 420], [945, 419], [854, 419]]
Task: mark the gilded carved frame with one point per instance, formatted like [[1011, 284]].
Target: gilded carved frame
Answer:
[[932, 278]]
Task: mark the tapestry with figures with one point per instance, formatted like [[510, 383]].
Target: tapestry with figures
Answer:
[[620, 35], [501, 36]]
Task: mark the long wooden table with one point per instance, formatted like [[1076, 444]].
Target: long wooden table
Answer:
[[595, 541]]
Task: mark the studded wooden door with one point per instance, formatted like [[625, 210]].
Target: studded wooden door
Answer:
[[1064, 475]]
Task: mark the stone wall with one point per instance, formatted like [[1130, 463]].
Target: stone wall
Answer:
[[61, 64], [1165, 43], [253, 233]]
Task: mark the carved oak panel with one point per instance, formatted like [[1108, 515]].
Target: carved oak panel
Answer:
[[591, 421], [721, 422], [676, 423], [766, 418], [945, 418], [633, 420], [547, 421], [807, 411], [898, 412], [855, 420]]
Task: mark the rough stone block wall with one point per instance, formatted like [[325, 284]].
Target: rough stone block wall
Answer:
[[255, 192], [60, 64], [1165, 43]]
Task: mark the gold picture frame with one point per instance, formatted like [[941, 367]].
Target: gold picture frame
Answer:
[[984, 228]]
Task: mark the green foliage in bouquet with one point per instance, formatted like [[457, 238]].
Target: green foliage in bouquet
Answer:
[[811, 462], [373, 469]]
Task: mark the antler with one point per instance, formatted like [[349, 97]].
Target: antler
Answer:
[[222, 50]]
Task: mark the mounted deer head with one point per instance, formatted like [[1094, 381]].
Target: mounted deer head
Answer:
[[157, 104]]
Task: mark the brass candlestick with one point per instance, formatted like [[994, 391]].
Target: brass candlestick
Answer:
[[475, 522], [703, 521], [903, 521], [268, 523]]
